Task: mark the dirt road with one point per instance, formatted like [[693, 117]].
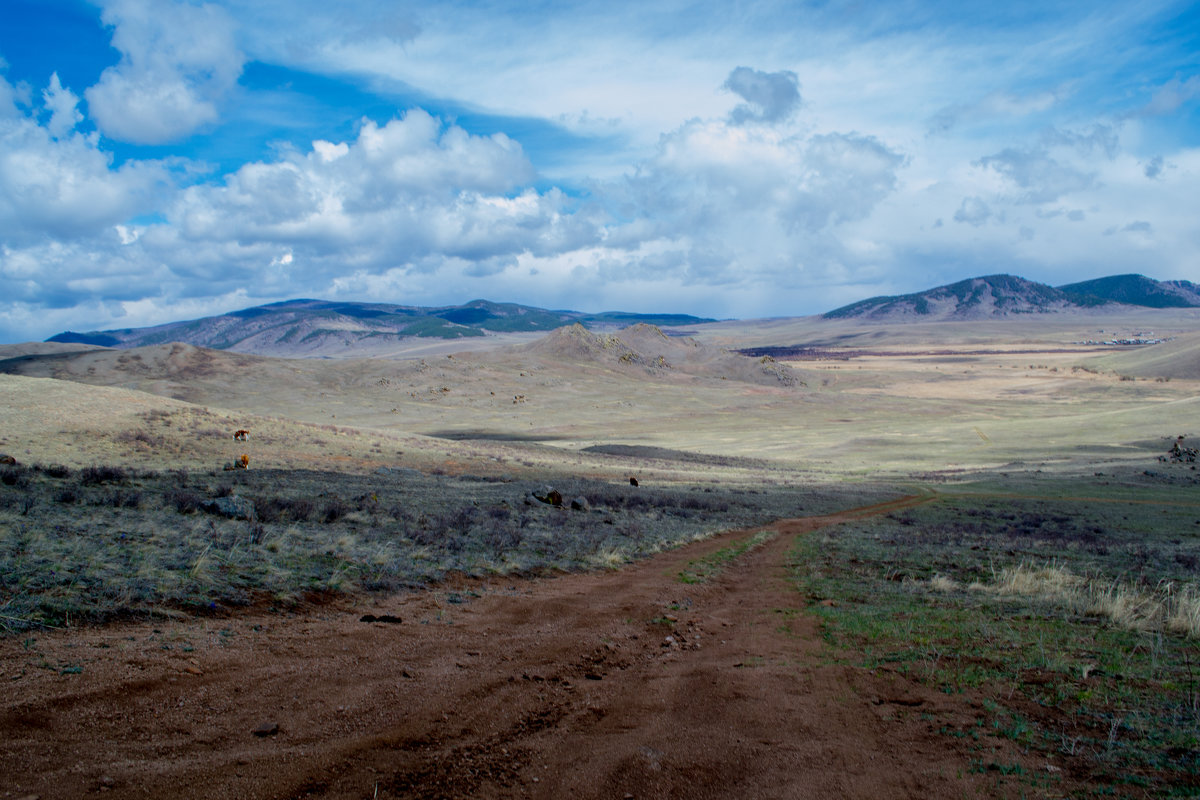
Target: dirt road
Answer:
[[625, 684]]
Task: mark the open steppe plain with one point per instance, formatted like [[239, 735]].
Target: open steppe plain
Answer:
[[917, 561]]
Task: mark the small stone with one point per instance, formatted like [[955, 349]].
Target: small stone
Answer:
[[193, 670], [107, 782], [267, 729]]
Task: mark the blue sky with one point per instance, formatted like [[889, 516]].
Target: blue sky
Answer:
[[163, 160]]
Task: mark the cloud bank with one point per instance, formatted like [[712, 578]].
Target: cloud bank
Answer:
[[651, 165]]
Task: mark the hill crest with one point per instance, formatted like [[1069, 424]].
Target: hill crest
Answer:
[[1138, 290], [1005, 295], [652, 349]]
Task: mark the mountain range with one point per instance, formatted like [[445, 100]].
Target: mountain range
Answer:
[[319, 327], [1005, 295]]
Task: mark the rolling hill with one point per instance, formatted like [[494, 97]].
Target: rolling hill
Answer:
[[974, 298], [1138, 290]]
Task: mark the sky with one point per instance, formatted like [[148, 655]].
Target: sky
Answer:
[[164, 160]]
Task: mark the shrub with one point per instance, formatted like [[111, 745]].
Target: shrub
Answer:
[[119, 499], [150, 440], [96, 475], [184, 501], [334, 510], [301, 509], [57, 471], [14, 476], [273, 509], [501, 536]]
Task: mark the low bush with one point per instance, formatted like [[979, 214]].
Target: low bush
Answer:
[[96, 475], [183, 500], [14, 476]]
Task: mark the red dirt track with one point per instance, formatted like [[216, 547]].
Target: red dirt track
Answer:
[[547, 688]]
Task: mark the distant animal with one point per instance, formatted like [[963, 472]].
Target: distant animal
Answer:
[[633, 481], [238, 463], [8, 460], [242, 435], [518, 398]]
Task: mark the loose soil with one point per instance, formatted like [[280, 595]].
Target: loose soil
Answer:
[[622, 684]]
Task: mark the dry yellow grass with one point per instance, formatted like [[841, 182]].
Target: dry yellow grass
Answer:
[[892, 414], [1167, 607]]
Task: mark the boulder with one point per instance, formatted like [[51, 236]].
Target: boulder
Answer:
[[580, 504]]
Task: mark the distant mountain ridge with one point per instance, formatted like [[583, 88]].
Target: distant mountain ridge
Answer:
[[1138, 290], [313, 327], [1004, 295]]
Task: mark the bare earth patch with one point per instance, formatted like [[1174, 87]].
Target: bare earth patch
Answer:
[[630, 683]]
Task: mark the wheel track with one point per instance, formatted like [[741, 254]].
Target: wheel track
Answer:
[[544, 688]]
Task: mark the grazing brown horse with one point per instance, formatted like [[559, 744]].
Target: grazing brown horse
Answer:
[[242, 435]]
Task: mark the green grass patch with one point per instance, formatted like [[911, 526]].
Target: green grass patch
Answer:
[[704, 569], [918, 592]]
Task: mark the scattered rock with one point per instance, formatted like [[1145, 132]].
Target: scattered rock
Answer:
[[580, 504], [266, 729], [388, 618], [233, 507], [1180, 454], [107, 782], [193, 670]]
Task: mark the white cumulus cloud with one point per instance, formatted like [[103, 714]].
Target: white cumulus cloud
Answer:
[[177, 62], [57, 183]]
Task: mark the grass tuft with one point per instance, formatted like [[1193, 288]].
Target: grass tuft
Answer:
[[1169, 606]]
